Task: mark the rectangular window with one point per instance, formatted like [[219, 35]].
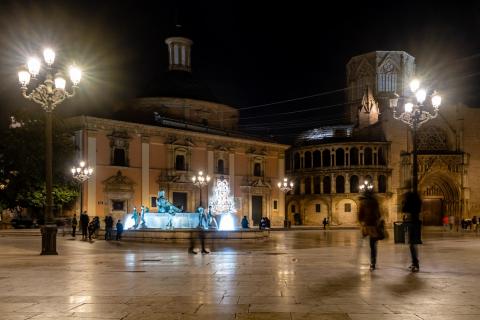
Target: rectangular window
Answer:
[[348, 207], [318, 207], [153, 202], [275, 205], [117, 205]]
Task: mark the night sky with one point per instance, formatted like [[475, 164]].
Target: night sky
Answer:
[[248, 53]]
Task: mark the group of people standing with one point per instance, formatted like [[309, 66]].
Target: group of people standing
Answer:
[[90, 228], [373, 225]]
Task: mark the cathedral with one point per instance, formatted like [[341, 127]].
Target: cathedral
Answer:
[[329, 164]]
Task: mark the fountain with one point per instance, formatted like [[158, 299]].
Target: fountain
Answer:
[[169, 222]]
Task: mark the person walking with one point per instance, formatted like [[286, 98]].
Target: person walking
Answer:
[[451, 221], [74, 224], [412, 207], [325, 222], [445, 222], [372, 223]]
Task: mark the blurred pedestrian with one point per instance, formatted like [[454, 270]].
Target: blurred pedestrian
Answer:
[[84, 221], [445, 222], [372, 223], [412, 206], [74, 224]]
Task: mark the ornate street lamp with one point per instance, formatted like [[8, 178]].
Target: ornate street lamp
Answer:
[[200, 181], [415, 113], [48, 95], [81, 174], [286, 187], [366, 186]]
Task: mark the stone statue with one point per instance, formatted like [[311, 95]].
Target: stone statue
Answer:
[[164, 206], [212, 222], [135, 218], [142, 213], [202, 218]]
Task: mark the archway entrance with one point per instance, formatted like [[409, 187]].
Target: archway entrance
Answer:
[[440, 197]]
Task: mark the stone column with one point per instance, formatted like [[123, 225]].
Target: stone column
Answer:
[[92, 182], [231, 172], [210, 171], [145, 172]]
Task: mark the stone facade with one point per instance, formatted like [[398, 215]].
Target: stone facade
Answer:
[[132, 162], [448, 156]]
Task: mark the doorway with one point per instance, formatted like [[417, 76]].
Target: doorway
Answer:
[[180, 200], [257, 209], [432, 212]]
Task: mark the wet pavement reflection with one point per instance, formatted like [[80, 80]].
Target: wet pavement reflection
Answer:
[[305, 274]]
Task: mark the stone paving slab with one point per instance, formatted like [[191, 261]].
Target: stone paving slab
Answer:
[[307, 274]]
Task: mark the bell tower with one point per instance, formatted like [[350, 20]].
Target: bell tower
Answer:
[[179, 52], [375, 77]]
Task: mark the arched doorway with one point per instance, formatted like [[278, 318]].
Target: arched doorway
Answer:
[[440, 197]]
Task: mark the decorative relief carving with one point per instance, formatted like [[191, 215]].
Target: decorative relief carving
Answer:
[[432, 138]]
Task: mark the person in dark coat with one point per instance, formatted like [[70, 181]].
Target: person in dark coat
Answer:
[[370, 218], [108, 227], [412, 206], [119, 230], [84, 221], [245, 222], [74, 224]]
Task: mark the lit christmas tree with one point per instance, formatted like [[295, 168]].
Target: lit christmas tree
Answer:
[[222, 201], [223, 205]]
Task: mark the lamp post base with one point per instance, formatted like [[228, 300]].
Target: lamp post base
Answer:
[[49, 240]]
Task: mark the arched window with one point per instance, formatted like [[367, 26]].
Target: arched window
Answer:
[[180, 162], [367, 156], [119, 157], [296, 160], [316, 159], [308, 185], [354, 184], [340, 157], [316, 185], [340, 184], [381, 157], [308, 159], [220, 166], [382, 184], [257, 169], [326, 158], [353, 156], [327, 185]]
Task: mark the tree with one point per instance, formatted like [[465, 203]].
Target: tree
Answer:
[[22, 163]]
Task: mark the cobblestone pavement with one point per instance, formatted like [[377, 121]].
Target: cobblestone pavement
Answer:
[[308, 274]]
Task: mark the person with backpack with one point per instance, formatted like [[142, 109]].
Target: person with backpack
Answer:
[[372, 223]]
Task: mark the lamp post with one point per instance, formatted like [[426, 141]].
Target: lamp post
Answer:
[[48, 94], [285, 187], [415, 113], [81, 174], [200, 181], [366, 186]]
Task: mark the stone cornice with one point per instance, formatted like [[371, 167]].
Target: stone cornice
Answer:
[[94, 123]]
